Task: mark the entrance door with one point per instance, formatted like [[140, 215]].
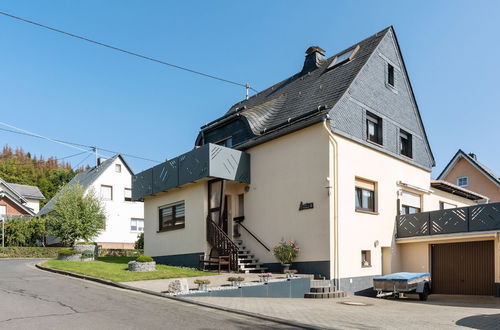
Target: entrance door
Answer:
[[463, 268], [226, 214], [216, 201]]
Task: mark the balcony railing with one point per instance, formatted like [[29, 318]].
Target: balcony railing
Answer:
[[483, 217]]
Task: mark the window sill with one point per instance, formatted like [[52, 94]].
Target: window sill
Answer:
[[367, 211], [366, 266], [170, 228], [375, 143], [392, 88], [406, 157]]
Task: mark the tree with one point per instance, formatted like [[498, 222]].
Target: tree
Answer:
[[139, 244], [76, 215]]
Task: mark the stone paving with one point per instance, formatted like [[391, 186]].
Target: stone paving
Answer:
[[439, 312]]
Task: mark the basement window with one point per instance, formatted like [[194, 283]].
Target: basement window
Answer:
[[366, 258]]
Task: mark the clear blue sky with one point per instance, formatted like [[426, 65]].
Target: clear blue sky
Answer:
[[71, 90]]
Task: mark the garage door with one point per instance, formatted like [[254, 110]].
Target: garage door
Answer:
[[463, 268]]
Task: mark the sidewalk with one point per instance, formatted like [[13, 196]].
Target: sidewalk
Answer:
[[440, 312]]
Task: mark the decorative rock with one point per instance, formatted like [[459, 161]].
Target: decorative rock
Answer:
[[178, 286], [135, 266], [69, 257]]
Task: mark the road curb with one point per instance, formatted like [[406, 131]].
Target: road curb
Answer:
[[184, 300]]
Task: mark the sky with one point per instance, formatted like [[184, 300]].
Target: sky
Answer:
[[75, 91]]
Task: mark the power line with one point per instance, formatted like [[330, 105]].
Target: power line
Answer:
[[21, 131], [247, 86], [84, 159]]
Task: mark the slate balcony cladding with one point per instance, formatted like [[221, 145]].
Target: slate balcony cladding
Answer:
[[207, 161]]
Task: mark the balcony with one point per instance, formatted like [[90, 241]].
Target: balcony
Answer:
[[477, 218], [205, 162]]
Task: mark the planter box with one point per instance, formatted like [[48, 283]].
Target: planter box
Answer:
[[135, 266], [70, 257], [90, 247]]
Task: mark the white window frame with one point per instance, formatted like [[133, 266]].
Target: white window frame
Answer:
[[125, 194], [466, 179], [135, 220], [118, 168], [111, 190]]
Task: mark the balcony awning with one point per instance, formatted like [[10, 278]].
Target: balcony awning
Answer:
[[205, 162]]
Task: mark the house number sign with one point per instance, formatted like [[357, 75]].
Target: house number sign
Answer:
[[306, 206]]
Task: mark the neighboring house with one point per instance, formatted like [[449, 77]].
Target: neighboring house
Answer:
[[18, 200], [111, 181], [466, 171], [330, 157]]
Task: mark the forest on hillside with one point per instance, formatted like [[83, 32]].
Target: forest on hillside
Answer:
[[49, 175]]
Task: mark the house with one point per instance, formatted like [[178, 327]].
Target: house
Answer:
[[19, 200], [466, 171], [332, 157], [111, 181]]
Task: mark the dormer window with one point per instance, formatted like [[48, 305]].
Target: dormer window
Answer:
[[228, 142], [344, 57]]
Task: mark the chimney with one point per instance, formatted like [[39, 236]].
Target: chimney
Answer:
[[314, 58], [473, 155], [100, 160]]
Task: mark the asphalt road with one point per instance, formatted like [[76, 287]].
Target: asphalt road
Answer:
[[34, 299]]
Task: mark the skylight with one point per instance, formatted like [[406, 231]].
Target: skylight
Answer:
[[344, 57]]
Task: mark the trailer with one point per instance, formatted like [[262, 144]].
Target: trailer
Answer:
[[397, 284]]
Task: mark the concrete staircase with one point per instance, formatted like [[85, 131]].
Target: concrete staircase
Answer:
[[324, 289], [246, 260]]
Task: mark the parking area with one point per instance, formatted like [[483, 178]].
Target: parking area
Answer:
[[356, 312]]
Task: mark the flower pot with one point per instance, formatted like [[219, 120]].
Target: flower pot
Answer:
[[202, 287], [285, 267], [264, 279], [235, 284]]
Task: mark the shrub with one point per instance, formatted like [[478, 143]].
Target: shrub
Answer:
[[144, 259], [29, 252], [235, 279], [201, 282], [139, 244], [286, 252], [24, 231], [85, 243], [88, 254], [120, 253], [68, 252]]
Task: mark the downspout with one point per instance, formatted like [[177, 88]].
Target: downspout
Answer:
[[336, 267]]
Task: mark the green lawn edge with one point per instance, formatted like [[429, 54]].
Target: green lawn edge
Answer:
[[115, 269]]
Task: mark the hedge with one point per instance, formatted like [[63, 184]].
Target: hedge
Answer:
[[52, 252]]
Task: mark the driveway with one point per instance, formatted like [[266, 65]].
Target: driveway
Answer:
[[439, 312], [34, 299]]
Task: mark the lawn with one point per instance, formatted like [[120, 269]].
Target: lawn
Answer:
[[115, 269]]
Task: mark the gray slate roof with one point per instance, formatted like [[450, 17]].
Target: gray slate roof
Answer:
[[303, 92], [85, 179], [31, 192]]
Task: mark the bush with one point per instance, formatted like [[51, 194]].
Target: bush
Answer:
[[144, 259], [29, 252], [85, 243], [24, 231], [68, 252], [201, 282], [88, 254], [139, 244], [286, 252], [120, 253]]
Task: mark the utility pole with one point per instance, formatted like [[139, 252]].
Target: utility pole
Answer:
[[94, 149]]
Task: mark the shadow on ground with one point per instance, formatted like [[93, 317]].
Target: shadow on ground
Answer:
[[482, 321]]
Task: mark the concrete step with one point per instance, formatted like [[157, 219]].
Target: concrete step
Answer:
[[321, 283], [328, 295], [323, 289], [253, 270]]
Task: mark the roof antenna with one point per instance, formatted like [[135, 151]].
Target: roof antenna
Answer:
[[247, 88]]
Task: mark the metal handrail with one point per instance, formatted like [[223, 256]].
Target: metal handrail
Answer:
[[221, 241], [256, 238]]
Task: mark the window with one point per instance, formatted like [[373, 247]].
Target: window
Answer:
[[405, 144], [172, 217], [445, 206], [241, 205], [128, 194], [344, 57], [3, 211], [365, 195], [106, 192], [390, 75], [118, 168], [406, 209], [228, 142], [463, 181], [136, 225], [366, 258], [373, 128]]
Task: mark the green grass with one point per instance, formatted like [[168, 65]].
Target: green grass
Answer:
[[115, 269]]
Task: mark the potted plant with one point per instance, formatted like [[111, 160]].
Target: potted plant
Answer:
[[69, 254], [286, 253], [264, 277], [236, 281], [142, 264], [202, 284], [290, 273]]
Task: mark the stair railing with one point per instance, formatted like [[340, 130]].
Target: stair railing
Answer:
[[220, 241], [239, 221]]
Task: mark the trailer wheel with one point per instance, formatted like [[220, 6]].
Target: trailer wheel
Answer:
[[425, 293]]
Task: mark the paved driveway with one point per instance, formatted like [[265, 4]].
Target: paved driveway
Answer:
[[34, 299], [439, 312]]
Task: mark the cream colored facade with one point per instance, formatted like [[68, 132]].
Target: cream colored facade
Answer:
[[299, 167]]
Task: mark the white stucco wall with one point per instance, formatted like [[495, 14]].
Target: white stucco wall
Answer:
[[118, 211]]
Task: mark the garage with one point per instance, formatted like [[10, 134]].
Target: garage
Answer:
[[466, 268]]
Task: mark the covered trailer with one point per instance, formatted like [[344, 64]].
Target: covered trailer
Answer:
[[398, 283]]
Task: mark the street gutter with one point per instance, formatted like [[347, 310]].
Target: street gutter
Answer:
[[179, 299]]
